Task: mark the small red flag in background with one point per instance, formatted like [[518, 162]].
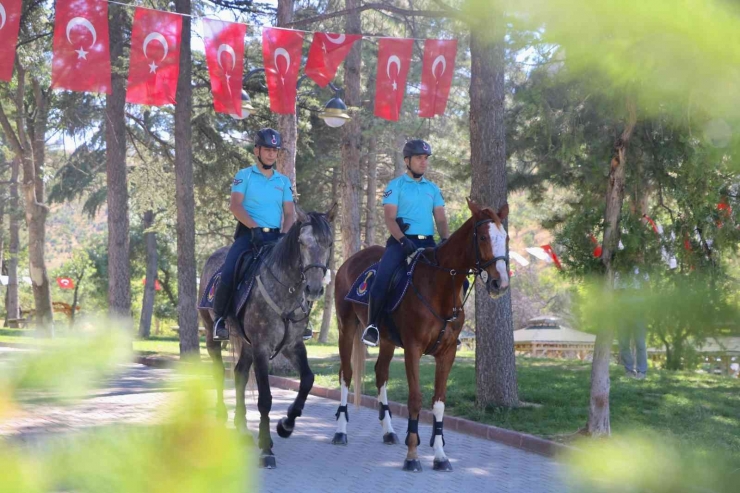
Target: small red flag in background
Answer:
[[81, 59], [65, 283], [436, 76], [224, 42], [155, 57], [327, 52], [394, 61], [548, 249], [281, 51], [157, 286], [10, 19]]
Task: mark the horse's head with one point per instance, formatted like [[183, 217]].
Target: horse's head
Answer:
[[315, 239], [491, 243]]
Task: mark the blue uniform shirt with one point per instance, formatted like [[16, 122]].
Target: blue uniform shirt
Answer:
[[263, 197], [416, 201]]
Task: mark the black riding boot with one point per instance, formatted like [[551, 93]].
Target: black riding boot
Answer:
[[220, 309], [371, 335]]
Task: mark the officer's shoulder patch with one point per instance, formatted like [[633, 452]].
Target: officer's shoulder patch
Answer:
[[237, 181], [387, 194]]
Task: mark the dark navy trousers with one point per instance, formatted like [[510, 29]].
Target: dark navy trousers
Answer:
[[392, 258]]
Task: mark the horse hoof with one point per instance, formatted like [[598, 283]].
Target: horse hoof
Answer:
[[390, 439], [412, 465], [282, 431], [267, 462], [339, 439], [442, 465]]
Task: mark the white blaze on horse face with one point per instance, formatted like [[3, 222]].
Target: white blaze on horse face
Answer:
[[497, 234], [438, 409], [327, 278], [342, 419], [383, 399]]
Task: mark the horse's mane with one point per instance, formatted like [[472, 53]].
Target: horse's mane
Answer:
[[286, 253]]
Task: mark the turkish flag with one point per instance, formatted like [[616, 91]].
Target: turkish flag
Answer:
[[65, 283], [394, 61], [10, 19], [436, 76], [281, 51], [327, 52], [155, 57], [81, 56], [225, 58], [548, 249]]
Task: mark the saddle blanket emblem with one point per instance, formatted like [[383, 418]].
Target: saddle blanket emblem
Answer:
[[362, 288], [212, 291]]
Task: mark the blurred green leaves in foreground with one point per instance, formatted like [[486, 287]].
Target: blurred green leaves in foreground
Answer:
[[184, 450]]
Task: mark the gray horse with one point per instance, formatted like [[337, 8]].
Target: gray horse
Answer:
[[274, 319]]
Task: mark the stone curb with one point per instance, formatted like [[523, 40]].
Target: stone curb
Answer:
[[522, 441]]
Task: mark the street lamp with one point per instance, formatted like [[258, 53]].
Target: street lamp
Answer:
[[334, 114]]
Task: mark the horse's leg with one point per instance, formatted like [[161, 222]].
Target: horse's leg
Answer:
[[443, 366], [214, 351], [241, 377], [298, 357], [412, 357], [382, 369], [347, 328], [264, 404]]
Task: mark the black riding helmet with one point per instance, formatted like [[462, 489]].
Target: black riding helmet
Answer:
[[269, 138], [416, 147]]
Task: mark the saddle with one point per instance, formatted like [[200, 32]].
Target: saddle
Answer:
[[246, 270]]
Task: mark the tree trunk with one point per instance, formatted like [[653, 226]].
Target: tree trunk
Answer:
[[495, 361], [598, 413], [329, 297], [75, 298], [372, 188], [351, 134], [399, 163], [147, 304], [119, 263], [12, 305], [287, 124], [186, 312]]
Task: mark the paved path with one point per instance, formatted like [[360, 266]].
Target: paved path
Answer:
[[308, 462]]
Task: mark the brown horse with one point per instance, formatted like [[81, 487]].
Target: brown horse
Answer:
[[429, 320]]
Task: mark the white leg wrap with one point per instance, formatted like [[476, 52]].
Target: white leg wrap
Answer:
[[383, 399], [342, 420], [438, 409]]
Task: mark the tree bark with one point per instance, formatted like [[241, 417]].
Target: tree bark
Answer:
[[351, 134], [399, 163], [75, 297], [372, 188], [119, 263], [496, 380], [329, 297], [12, 305], [147, 304], [598, 413], [185, 198], [287, 124]]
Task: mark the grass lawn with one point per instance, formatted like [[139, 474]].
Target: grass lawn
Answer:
[[697, 409]]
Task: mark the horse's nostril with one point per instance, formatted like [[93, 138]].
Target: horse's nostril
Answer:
[[321, 292]]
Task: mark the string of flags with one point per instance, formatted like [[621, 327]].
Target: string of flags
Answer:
[[81, 59]]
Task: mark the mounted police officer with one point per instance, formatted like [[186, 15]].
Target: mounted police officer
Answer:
[[262, 202], [411, 206]]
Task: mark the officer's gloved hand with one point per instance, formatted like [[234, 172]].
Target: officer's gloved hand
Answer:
[[408, 246], [257, 237]]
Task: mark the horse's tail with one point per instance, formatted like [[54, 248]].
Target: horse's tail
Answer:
[[358, 362]]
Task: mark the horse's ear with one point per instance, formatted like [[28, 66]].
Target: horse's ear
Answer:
[[503, 212], [332, 212], [474, 207], [300, 214]]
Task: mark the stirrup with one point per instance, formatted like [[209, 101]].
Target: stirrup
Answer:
[[366, 339], [222, 323]]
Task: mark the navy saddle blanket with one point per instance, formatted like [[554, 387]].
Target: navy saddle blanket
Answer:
[[247, 270], [360, 291]]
